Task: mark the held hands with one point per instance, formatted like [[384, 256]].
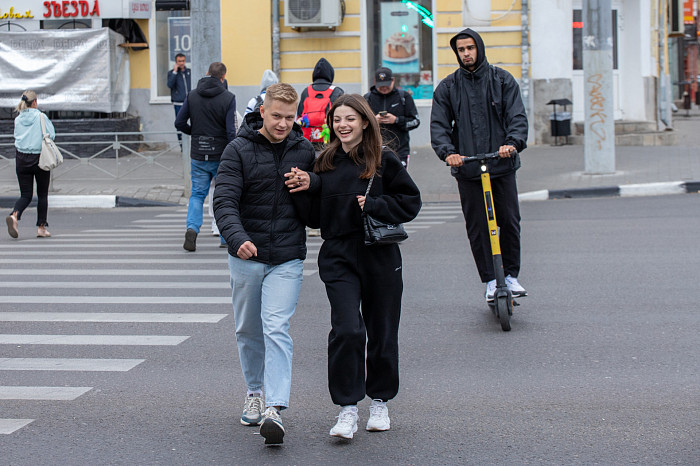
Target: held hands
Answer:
[[247, 250], [297, 180]]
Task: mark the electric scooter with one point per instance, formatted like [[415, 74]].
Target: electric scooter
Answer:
[[503, 302]]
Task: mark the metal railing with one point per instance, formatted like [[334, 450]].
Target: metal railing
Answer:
[[114, 155]]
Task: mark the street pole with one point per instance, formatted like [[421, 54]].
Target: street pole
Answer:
[[205, 27], [599, 139]]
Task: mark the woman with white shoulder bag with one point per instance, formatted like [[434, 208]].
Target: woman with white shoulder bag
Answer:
[[28, 139]]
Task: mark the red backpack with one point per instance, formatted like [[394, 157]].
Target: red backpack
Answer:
[[316, 106]]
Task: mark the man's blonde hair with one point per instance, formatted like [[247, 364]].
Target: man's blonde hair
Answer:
[[282, 92]]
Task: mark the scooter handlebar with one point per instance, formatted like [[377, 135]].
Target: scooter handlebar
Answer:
[[482, 157]]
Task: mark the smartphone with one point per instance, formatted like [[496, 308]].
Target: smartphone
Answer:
[[383, 113]]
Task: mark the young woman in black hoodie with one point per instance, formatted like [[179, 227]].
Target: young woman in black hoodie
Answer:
[[364, 283]]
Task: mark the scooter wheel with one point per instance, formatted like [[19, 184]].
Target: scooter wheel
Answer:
[[503, 313]]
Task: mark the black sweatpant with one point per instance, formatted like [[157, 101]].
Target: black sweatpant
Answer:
[[364, 287], [27, 169], [505, 199]]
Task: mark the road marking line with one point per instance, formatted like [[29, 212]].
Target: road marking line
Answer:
[[119, 252], [119, 272], [107, 340], [42, 393], [111, 261], [115, 300], [68, 364], [119, 285], [112, 317], [8, 426]]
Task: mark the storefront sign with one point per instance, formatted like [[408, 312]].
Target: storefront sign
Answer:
[[12, 14], [180, 38], [78, 69], [71, 9], [400, 38], [37, 10]]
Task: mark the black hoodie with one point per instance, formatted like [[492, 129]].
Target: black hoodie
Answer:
[[251, 201], [476, 112], [322, 77]]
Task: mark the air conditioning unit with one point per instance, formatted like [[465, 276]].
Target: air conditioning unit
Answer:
[[313, 13]]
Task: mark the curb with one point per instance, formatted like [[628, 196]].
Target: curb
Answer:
[[625, 190], [99, 201]]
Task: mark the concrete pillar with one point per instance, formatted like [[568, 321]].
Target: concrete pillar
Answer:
[[599, 139]]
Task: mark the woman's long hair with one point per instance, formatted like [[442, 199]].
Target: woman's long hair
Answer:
[[26, 101], [371, 144]]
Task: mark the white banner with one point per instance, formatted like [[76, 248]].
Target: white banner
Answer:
[[78, 69]]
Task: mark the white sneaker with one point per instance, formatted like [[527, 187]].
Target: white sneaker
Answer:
[[378, 417], [490, 290], [515, 288], [252, 410], [347, 423]]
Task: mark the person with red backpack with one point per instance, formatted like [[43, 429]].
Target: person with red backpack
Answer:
[[315, 101]]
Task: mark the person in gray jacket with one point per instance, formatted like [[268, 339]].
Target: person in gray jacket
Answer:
[[478, 109]]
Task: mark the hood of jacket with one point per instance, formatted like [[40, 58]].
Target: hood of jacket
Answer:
[[250, 129], [28, 117], [323, 71], [268, 78], [480, 49], [210, 87]]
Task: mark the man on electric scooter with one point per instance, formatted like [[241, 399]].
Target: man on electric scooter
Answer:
[[476, 110]]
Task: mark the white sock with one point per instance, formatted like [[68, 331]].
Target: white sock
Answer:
[[352, 408]]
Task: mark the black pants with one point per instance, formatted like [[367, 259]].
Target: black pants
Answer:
[[505, 198], [364, 287], [27, 169]]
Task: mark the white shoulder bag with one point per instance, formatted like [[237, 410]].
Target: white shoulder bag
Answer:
[[50, 157]]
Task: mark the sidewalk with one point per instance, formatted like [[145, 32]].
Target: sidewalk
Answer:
[[547, 172]]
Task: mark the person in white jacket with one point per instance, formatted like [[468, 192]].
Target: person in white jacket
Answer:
[[28, 137]]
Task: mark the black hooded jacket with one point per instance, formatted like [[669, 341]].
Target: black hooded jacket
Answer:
[[476, 112], [399, 103], [251, 201], [322, 79]]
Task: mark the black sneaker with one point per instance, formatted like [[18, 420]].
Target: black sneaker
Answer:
[[190, 240], [271, 428]]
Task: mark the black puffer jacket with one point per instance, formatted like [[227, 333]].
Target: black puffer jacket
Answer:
[[476, 112], [251, 201]]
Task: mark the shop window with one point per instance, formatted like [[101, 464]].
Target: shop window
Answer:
[[401, 39], [66, 24], [577, 28], [169, 35]]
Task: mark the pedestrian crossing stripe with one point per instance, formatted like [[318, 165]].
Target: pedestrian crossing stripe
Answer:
[[130, 272], [42, 393], [112, 317], [8, 426], [202, 300], [68, 364], [80, 340]]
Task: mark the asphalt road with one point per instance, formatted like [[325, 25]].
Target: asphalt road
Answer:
[[600, 367]]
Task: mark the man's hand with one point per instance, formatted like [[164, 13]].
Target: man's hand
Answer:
[[387, 118], [506, 151], [247, 250], [454, 160]]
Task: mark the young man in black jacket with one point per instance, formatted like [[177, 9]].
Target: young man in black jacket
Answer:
[[211, 110], [267, 246], [478, 109], [395, 111]]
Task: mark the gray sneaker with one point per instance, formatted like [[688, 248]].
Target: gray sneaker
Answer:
[[271, 428], [252, 410]]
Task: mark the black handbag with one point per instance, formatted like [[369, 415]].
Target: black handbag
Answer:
[[377, 232]]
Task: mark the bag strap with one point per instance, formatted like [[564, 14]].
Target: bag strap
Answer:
[[43, 125], [369, 186]]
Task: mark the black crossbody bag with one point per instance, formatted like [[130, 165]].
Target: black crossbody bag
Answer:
[[377, 232]]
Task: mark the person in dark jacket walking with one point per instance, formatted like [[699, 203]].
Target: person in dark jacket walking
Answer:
[[395, 111], [179, 82], [364, 283], [267, 246], [478, 109], [322, 77], [211, 110]]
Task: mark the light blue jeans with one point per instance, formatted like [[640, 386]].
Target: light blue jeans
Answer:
[[201, 173], [264, 300]]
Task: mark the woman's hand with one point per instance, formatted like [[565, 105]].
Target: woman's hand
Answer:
[[297, 180], [361, 201]]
